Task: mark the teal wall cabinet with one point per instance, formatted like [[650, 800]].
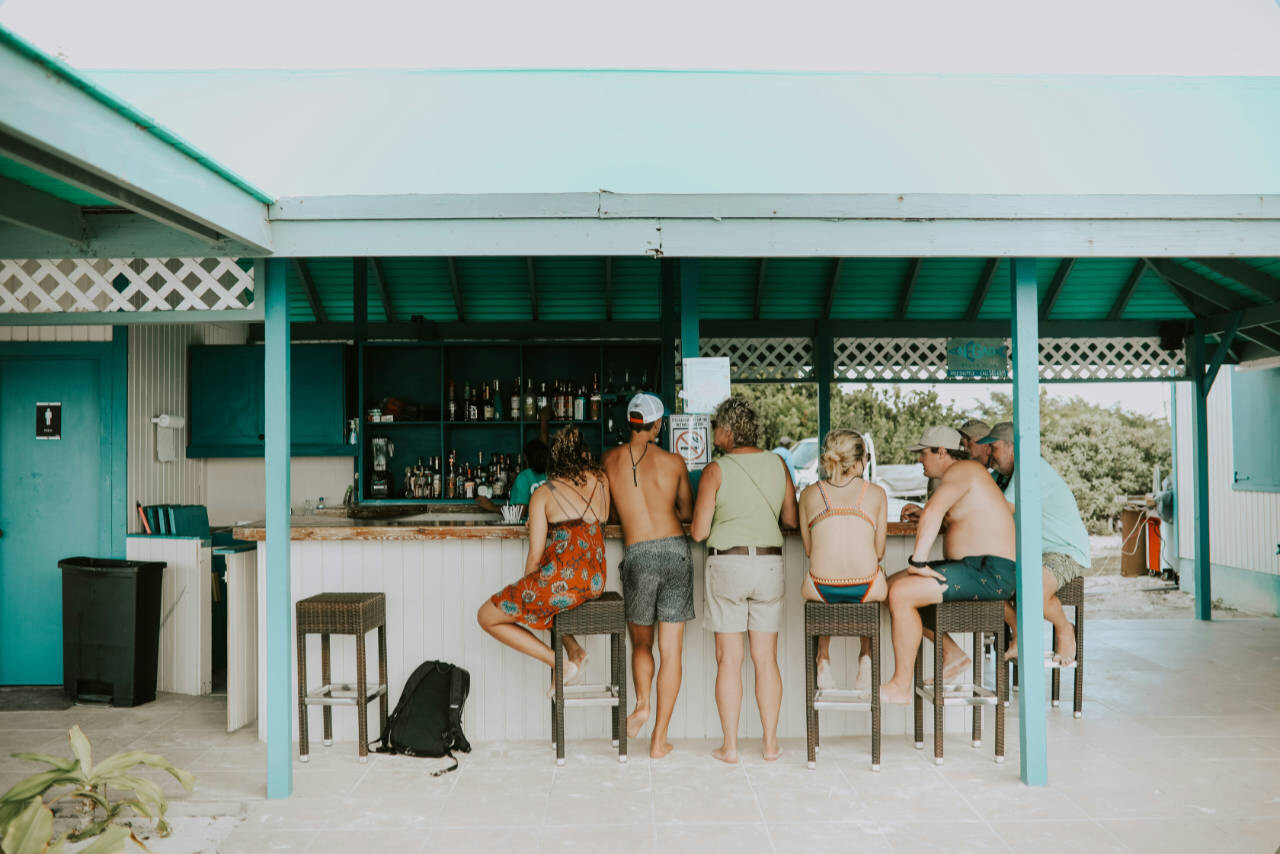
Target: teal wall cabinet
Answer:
[[226, 401]]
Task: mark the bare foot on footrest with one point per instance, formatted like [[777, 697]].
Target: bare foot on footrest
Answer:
[[636, 720]]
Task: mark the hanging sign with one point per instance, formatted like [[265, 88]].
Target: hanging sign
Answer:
[[48, 420], [705, 382], [690, 437], [982, 358]]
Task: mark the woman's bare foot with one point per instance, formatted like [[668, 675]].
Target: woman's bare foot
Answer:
[[953, 668], [1065, 646], [636, 720], [1011, 654], [826, 679], [657, 751], [772, 755], [729, 757], [891, 693], [570, 676]]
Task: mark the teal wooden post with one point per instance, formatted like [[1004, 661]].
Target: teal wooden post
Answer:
[[1026, 475], [822, 371], [1200, 469], [670, 330], [689, 308], [279, 603]]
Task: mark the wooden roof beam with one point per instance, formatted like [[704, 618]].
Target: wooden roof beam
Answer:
[[533, 287], [983, 287], [456, 288], [1055, 287], [309, 288], [1126, 292], [39, 211], [1206, 298], [764, 263], [384, 291], [829, 302], [908, 285], [1246, 274]]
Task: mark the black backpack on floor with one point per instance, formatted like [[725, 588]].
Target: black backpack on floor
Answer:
[[428, 719]]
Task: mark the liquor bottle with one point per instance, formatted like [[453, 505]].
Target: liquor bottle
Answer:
[[594, 405], [487, 413], [484, 489], [466, 401], [453, 402], [408, 482], [473, 405], [514, 407], [530, 407], [498, 407], [437, 480], [451, 482], [580, 405], [469, 483], [542, 398]]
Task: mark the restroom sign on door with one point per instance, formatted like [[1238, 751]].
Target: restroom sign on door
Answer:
[[48, 420], [691, 439]]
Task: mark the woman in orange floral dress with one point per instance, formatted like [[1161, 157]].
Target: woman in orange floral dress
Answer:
[[567, 514]]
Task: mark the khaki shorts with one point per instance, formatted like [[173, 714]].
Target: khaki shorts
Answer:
[[744, 592], [1062, 568]]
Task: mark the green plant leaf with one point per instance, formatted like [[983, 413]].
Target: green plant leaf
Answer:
[[30, 832], [146, 790], [61, 763], [111, 841], [38, 784], [128, 759], [80, 748]]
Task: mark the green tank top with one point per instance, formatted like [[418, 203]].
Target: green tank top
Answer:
[[747, 514]]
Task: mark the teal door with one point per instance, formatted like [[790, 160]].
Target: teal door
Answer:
[[54, 503]]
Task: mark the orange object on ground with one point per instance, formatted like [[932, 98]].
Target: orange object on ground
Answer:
[[1153, 545]]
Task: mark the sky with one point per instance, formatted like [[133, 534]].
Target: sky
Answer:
[[1163, 37]]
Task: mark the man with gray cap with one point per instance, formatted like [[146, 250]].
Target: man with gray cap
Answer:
[[970, 432], [980, 554], [651, 496], [1065, 540]]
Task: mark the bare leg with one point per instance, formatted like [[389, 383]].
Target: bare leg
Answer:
[[1064, 633], [728, 692], [764, 655], [954, 659], [503, 627], [1011, 620], [641, 675], [670, 671], [824, 648], [574, 650], [907, 594]]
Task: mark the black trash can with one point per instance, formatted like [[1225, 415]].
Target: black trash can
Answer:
[[110, 629]]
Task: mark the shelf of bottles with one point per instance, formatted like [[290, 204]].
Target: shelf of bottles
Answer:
[[449, 422]]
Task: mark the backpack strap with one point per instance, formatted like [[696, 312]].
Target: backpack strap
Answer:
[[459, 687]]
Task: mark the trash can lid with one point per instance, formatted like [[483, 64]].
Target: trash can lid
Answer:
[[109, 565]]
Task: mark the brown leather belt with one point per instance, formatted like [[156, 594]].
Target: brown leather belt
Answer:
[[746, 550]]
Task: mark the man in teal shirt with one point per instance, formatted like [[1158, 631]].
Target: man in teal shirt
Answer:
[[1065, 540], [537, 456]]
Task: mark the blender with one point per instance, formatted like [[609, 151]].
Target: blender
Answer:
[[380, 478]]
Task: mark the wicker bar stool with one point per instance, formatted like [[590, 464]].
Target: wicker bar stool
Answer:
[[341, 614], [1071, 595], [977, 617], [847, 619], [603, 615]]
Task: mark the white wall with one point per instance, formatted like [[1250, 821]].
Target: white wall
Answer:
[[158, 384], [236, 486], [1244, 527], [55, 333]]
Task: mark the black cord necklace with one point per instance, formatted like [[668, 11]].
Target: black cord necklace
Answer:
[[634, 462]]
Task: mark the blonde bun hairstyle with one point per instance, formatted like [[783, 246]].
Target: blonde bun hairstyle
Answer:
[[844, 452]]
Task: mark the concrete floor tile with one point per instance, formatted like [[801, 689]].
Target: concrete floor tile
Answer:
[[347, 841], [741, 838], [1157, 836], [484, 840], [943, 836], [865, 837], [636, 838], [256, 842], [1033, 837]]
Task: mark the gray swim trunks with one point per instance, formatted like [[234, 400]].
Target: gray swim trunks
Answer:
[[1062, 567], [657, 581]]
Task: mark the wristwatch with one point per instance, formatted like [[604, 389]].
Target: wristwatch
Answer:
[[915, 562]]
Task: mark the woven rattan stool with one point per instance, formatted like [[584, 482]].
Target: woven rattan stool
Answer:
[[601, 616], [976, 617], [341, 614], [848, 619], [1071, 595]]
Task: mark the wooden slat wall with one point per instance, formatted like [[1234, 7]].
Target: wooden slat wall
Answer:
[[158, 384], [434, 588], [242, 639], [1244, 527], [186, 664]]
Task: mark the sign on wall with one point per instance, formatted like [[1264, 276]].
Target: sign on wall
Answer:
[[985, 358], [705, 382], [690, 437], [48, 420]]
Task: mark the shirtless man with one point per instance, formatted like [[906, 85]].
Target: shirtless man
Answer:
[[970, 432], [651, 497], [979, 548]]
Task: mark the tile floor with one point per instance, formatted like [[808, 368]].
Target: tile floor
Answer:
[[1179, 750]]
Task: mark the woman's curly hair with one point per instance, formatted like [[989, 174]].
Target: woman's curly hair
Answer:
[[571, 457], [740, 418]]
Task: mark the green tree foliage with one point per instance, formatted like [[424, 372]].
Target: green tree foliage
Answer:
[[1103, 453]]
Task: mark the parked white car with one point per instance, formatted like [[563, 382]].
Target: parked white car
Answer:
[[902, 483]]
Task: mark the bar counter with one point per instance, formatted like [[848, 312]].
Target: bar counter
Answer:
[[436, 573]]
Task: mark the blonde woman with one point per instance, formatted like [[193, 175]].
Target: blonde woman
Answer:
[[846, 549]]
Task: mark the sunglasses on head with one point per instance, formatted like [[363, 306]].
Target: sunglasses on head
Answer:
[[713, 424]]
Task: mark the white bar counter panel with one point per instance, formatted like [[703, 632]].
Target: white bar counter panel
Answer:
[[435, 580]]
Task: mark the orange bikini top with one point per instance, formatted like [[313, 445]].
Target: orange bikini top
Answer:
[[828, 510]]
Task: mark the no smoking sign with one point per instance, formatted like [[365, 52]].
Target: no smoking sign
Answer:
[[691, 439]]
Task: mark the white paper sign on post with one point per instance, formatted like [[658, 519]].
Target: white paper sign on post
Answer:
[[690, 437], [706, 383]]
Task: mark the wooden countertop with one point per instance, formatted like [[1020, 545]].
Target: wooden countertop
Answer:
[[342, 528]]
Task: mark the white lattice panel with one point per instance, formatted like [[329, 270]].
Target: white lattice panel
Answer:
[[759, 358], [41, 286], [925, 359]]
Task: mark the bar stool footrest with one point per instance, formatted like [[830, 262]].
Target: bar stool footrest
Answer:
[[842, 700], [342, 694]]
